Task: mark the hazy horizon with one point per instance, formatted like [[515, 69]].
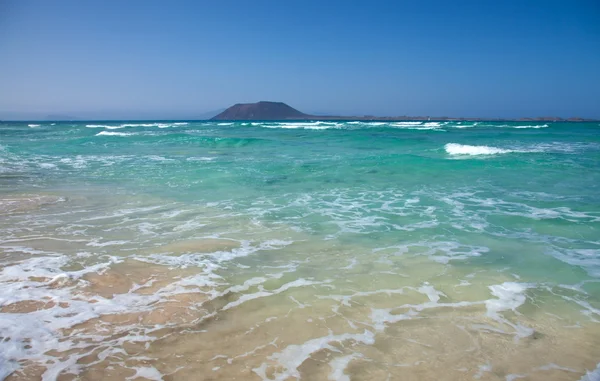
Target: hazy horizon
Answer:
[[152, 60]]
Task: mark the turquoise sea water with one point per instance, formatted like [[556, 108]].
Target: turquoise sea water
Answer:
[[312, 250]]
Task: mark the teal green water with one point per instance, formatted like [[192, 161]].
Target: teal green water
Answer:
[[371, 248]]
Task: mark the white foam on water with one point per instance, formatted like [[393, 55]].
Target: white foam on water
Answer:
[[206, 259], [353, 262], [34, 334], [338, 366], [319, 125], [291, 357], [553, 366], [43, 279], [111, 133], [463, 149], [510, 296], [593, 375], [534, 126], [380, 317], [589, 259], [407, 123], [224, 124], [440, 251], [96, 243], [262, 293], [460, 125], [125, 125], [159, 158], [564, 147], [78, 162], [433, 294], [434, 126], [144, 125], [33, 125], [513, 377], [101, 126], [200, 159], [147, 372], [482, 369], [516, 126]]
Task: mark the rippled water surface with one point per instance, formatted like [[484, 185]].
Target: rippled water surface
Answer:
[[300, 250]]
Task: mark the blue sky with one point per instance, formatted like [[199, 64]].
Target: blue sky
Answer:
[[179, 59]]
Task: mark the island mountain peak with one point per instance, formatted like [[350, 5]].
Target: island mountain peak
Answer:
[[263, 110], [266, 110]]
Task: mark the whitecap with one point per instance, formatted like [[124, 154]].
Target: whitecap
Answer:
[[159, 158], [534, 126], [463, 149], [33, 125], [417, 125], [200, 158], [460, 125], [111, 133], [319, 125], [125, 125]]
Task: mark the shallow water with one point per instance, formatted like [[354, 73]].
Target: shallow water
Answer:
[[300, 250]]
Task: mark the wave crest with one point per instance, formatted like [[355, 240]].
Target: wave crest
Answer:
[[463, 149], [111, 133]]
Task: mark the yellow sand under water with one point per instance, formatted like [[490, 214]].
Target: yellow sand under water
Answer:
[[257, 303]]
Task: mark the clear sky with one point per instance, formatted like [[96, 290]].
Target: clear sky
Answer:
[[179, 59]]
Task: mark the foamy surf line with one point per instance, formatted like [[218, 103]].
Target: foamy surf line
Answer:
[[456, 149], [125, 125], [535, 126], [464, 149], [111, 133], [301, 125], [321, 125]]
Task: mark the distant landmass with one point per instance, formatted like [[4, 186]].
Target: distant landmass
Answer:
[[265, 110], [261, 111]]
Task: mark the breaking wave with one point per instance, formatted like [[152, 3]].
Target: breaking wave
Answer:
[[463, 149], [111, 133], [124, 125]]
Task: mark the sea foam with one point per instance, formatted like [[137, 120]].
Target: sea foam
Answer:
[[463, 149], [111, 133], [291, 357]]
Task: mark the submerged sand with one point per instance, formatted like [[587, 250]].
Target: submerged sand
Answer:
[[212, 295]]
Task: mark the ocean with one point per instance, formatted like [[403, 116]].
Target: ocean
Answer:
[[314, 250]]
